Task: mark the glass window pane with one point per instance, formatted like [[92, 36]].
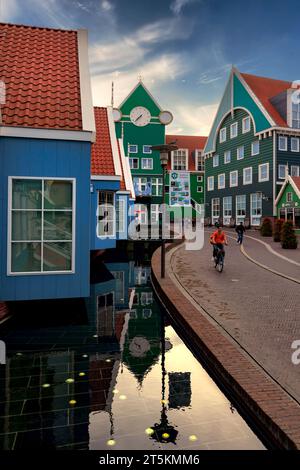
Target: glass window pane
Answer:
[[26, 194], [57, 194], [57, 225], [26, 225], [57, 256], [25, 257]]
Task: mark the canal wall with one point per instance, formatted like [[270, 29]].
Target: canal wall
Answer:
[[268, 408]]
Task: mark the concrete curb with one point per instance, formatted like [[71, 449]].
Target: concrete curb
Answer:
[[267, 268], [271, 410], [270, 249]]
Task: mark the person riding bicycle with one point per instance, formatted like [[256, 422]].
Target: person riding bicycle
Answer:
[[218, 239]]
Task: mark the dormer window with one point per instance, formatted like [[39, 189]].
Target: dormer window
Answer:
[[296, 115]]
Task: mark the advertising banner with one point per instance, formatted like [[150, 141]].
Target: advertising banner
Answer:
[[180, 188]]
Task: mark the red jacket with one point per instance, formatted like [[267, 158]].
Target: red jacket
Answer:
[[218, 238]]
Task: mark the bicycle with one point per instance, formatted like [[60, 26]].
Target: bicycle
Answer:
[[219, 259]]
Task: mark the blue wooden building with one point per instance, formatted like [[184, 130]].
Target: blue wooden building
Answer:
[[112, 191]]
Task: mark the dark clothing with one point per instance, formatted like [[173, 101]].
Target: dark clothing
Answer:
[[221, 247], [240, 230]]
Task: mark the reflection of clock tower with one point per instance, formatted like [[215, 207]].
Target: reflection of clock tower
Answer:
[[141, 122]]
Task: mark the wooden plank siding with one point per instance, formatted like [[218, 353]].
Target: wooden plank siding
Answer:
[[265, 156]]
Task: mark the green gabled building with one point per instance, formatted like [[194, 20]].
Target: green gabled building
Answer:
[[255, 136], [141, 122], [288, 201]]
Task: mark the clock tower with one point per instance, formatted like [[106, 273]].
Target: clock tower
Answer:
[[141, 122]]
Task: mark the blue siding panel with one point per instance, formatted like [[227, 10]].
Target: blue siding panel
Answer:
[[47, 158]]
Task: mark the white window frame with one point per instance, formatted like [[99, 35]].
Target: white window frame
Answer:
[[158, 182], [149, 160], [132, 151], [234, 125], [297, 170], [255, 216], [201, 189], [282, 139], [213, 204], [174, 155], [216, 161], [252, 148], [111, 235], [230, 179], [260, 167], [280, 167], [199, 157], [9, 226], [244, 175], [144, 151], [222, 135], [295, 120], [238, 157], [120, 202], [221, 186], [131, 160], [154, 210], [210, 179], [289, 196], [240, 218], [295, 139], [246, 119], [228, 152], [200, 179], [226, 216]]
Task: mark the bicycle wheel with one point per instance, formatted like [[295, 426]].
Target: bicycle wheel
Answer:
[[221, 264]]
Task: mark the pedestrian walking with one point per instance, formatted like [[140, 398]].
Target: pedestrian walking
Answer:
[[240, 230]]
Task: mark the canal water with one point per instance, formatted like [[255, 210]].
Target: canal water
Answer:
[[110, 372]]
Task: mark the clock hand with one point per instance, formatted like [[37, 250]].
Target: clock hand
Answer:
[[138, 118]]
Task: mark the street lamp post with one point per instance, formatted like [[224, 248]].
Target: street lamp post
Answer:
[[164, 153]]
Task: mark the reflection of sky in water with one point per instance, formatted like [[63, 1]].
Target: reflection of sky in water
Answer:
[[93, 372], [208, 417]]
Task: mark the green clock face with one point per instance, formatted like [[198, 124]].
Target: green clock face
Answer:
[[140, 116]]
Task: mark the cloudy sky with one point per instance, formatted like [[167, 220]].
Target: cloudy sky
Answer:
[[183, 49]]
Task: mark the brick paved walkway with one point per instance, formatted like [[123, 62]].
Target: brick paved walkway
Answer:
[[257, 249], [294, 255], [258, 308]]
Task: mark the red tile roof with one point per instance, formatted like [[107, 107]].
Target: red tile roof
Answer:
[[40, 69], [265, 89], [296, 180], [102, 160], [190, 142]]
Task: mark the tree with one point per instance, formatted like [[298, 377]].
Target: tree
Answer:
[[288, 236], [266, 228], [277, 230]]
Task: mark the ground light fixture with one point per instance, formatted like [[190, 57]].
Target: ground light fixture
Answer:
[[164, 154]]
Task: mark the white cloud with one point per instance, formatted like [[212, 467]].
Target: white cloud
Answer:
[[8, 10], [192, 119], [164, 30], [114, 56], [106, 5], [177, 5], [167, 67]]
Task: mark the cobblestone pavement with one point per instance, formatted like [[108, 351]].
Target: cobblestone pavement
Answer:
[[294, 255], [259, 252], [259, 309]]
